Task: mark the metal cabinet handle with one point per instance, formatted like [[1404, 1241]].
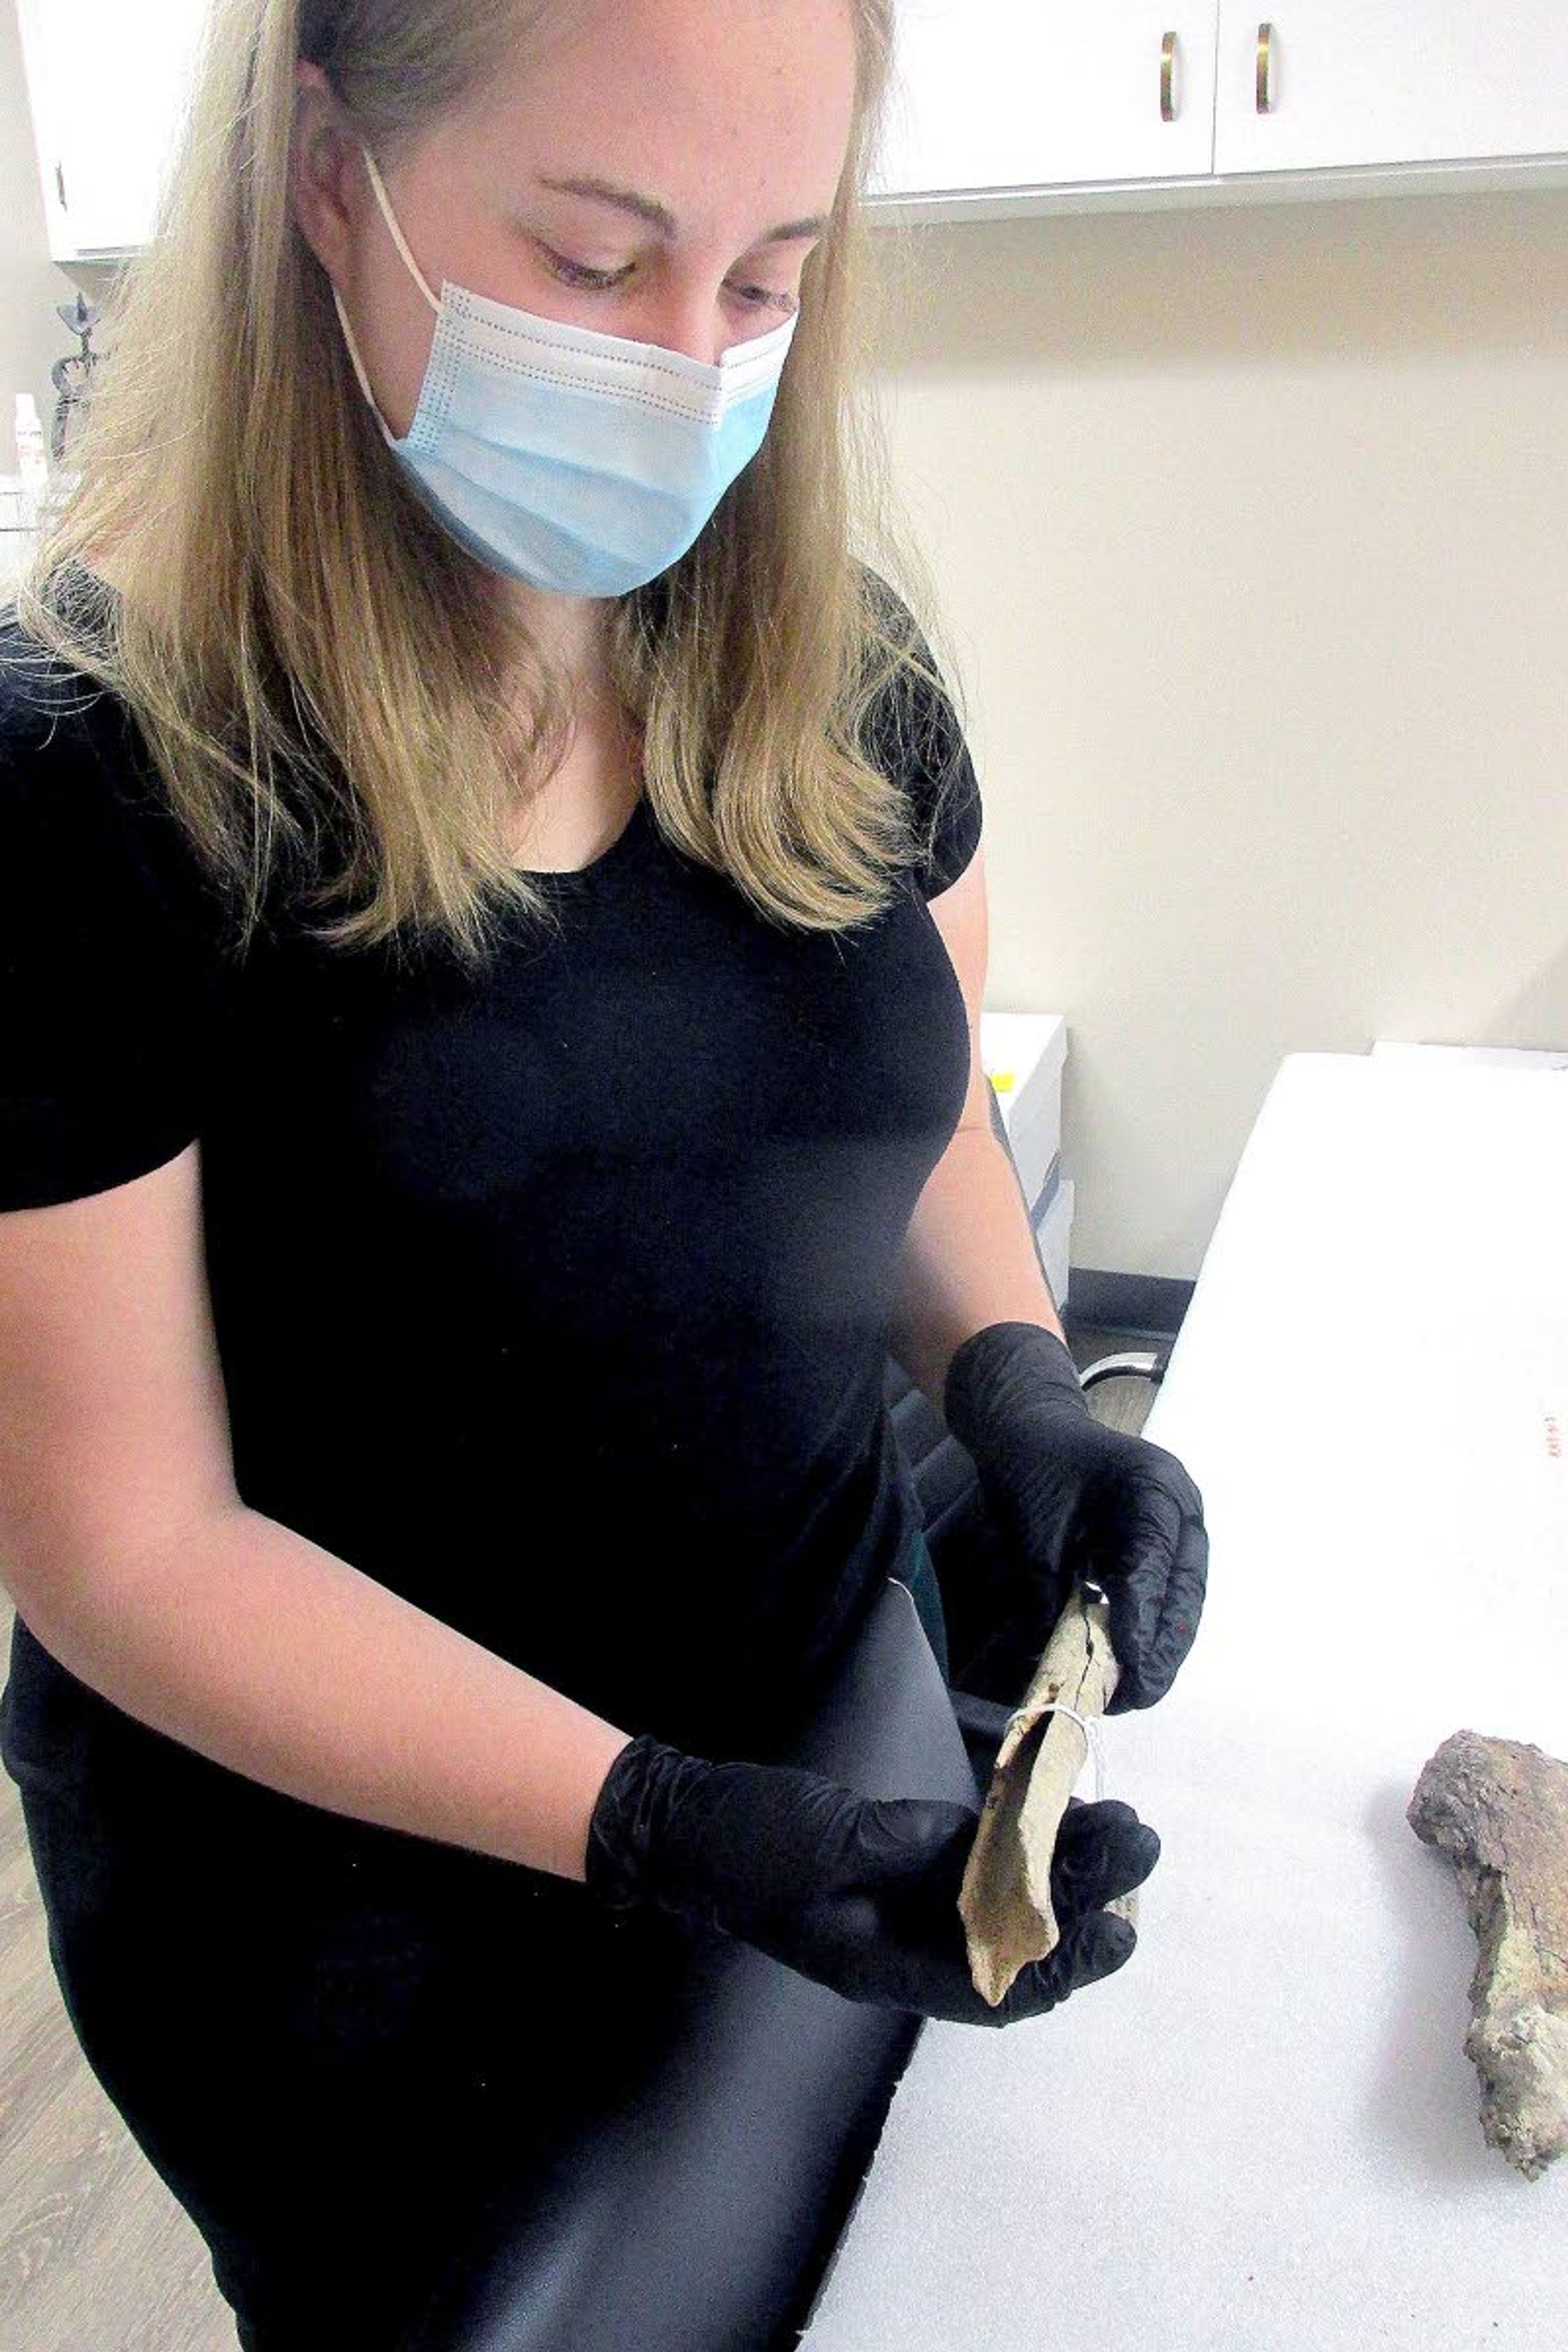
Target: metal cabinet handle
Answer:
[[1265, 96]]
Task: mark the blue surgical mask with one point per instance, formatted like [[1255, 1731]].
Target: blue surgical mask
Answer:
[[576, 461]]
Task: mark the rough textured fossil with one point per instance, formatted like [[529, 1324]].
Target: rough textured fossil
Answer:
[[1005, 1898], [1500, 1810]]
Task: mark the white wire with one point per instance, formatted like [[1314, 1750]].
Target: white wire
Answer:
[[1090, 1726]]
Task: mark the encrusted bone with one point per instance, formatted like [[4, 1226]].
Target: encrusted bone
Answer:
[[1498, 1809], [1005, 1898]]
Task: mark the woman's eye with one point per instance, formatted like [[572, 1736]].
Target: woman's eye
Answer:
[[577, 273], [765, 297], [601, 281]]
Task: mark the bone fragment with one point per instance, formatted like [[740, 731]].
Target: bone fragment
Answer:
[[1500, 1810], [1005, 1898]]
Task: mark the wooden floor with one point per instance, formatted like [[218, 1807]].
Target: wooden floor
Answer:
[[95, 2254]]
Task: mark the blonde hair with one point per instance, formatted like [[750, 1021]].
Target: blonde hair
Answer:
[[302, 644]]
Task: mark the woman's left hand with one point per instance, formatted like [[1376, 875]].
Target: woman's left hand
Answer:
[[1075, 1500]]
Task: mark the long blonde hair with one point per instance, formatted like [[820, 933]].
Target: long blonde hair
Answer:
[[303, 643]]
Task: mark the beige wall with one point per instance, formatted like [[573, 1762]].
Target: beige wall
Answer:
[[1252, 532], [1251, 528]]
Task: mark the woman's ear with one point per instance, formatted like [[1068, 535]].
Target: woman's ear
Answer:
[[320, 171]]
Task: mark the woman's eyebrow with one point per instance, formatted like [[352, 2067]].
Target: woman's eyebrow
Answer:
[[660, 217]]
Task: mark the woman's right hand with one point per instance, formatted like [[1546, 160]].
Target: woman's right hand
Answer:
[[859, 1892]]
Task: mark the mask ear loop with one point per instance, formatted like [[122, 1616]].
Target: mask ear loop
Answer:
[[359, 366], [415, 272], [398, 239]]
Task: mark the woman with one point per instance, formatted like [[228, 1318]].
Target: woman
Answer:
[[462, 539]]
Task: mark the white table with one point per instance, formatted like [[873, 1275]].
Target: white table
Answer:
[[1263, 2131]]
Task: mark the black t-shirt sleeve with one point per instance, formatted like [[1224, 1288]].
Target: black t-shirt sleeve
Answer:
[[914, 734], [949, 810], [109, 972]]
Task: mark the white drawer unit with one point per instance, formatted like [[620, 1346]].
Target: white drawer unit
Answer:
[[1023, 1055]]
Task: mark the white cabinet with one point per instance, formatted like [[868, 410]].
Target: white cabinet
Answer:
[[1017, 106], [1389, 81], [107, 81], [999, 106], [1010, 93]]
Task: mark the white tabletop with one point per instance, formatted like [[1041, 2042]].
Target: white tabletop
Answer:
[[1263, 2131]]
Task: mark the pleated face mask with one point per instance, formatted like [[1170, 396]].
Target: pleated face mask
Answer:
[[573, 460]]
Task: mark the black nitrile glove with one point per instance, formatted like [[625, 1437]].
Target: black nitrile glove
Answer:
[[861, 1894], [1072, 1500]]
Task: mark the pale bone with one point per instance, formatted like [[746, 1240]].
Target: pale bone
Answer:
[[1005, 1898], [1498, 1809]]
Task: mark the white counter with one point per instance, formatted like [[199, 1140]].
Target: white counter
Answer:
[[1263, 2131]]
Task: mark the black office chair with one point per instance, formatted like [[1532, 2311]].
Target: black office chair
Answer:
[[702, 2212]]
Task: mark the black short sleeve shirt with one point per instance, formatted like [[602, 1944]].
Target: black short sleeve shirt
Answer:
[[556, 1299]]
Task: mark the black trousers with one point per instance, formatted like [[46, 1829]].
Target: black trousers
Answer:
[[330, 2042]]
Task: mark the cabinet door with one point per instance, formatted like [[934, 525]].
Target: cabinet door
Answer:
[[108, 81], [1390, 82], [1037, 93]]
